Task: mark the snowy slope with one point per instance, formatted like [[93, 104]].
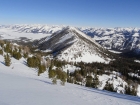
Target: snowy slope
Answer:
[[70, 44], [21, 86]]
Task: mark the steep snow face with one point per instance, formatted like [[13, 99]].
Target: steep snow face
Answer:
[[70, 44], [81, 51], [82, 34], [20, 85], [57, 41], [116, 38]]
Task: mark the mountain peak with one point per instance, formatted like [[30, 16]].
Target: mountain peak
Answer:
[[70, 27], [70, 44]]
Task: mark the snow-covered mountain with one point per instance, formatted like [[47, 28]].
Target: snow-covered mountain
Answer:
[[110, 38], [116, 38], [70, 44]]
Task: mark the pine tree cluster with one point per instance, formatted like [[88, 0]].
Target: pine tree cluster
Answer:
[[130, 90], [33, 62], [12, 51], [109, 87], [58, 73]]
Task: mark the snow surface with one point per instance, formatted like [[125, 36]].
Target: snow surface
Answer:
[[20, 85], [138, 93], [64, 38], [116, 52], [137, 61], [71, 68], [15, 35], [78, 53], [117, 82]]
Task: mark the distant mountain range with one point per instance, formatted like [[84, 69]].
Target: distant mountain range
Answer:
[[120, 39]]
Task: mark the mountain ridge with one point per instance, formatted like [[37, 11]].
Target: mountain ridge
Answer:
[[70, 44]]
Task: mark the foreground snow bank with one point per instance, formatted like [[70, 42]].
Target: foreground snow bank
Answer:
[[20, 85], [18, 90], [33, 90]]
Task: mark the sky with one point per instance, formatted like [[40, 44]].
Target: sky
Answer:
[[81, 13]]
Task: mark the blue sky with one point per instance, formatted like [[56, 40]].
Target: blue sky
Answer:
[[85, 13]]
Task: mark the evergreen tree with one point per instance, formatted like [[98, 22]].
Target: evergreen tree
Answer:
[[7, 60], [1, 52], [52, 73], [63, 78], [109, 87], [58, 74], [11, 52], [25, 55], [2, 43], [19, 49], [30, 62], [95, 82], [41, 69], [17, 55], [130, 90], [83, 72], [68, 73], [78, 77], [33, 62], [51, 66], [134, 91], [89, 81], [7, 48]]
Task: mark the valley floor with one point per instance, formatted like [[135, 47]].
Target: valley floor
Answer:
[[20, 85]]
